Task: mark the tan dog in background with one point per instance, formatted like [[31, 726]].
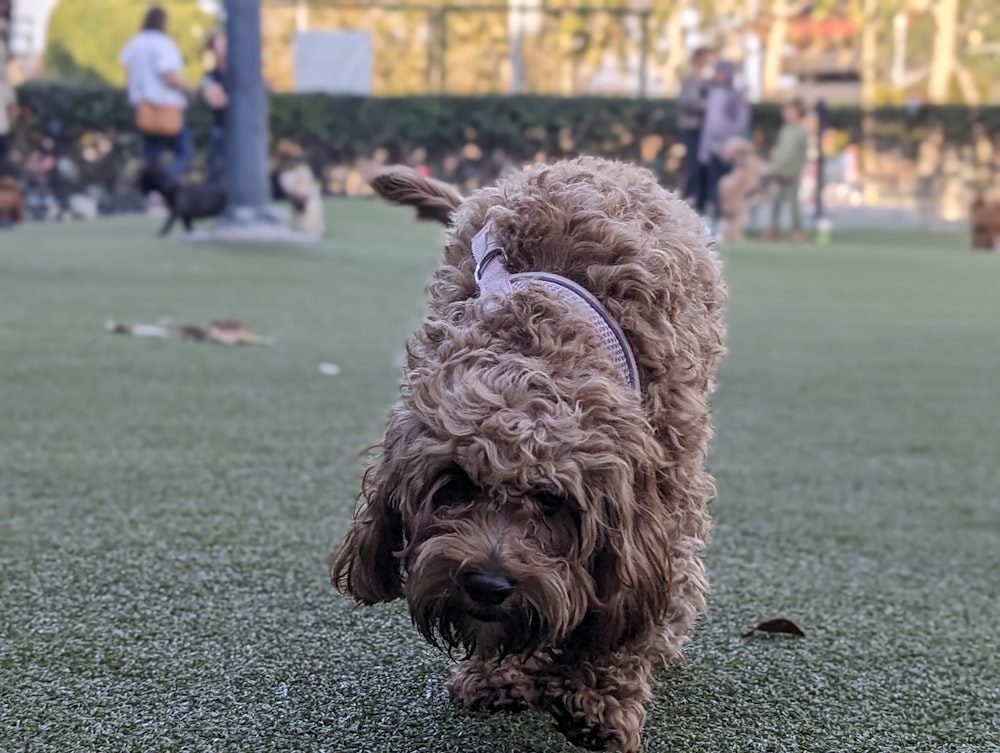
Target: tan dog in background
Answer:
[[11, 201], [984, 217], [301, 183], [743, 187]]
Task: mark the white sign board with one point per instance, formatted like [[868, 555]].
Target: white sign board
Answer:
[[333, 62]]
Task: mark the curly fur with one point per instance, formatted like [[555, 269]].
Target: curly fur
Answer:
[[515, 447], [740, 188]]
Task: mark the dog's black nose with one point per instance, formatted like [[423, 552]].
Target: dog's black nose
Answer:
[[487, 587]]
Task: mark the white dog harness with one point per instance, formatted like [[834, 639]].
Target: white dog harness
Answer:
[[493, 278]]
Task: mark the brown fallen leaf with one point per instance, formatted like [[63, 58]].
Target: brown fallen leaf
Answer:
[[780, 626], [193, 332], [232, 325], [234, 332]]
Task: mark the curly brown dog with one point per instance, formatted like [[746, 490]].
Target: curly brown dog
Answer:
[[11, 201], [540, 499], [742, 187]]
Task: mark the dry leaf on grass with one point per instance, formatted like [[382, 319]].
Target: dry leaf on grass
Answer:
[[779, 626], [235, 332], [139, 329], [224, 332], [193, 332]]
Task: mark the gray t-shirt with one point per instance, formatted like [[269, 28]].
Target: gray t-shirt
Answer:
[[147, 57]]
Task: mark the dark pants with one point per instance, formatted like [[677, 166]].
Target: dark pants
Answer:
[[695, 174], [181, 147], [716, 170], [788, 193], [216, 156], [4, 140]]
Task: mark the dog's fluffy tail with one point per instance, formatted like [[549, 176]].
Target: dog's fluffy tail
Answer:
[[432, 199]]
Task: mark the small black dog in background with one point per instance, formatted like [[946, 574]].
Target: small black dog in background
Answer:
[[188, 202]]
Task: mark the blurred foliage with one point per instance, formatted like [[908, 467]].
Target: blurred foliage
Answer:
[[571, 47], [576, 47], [471, 140], [85, 37]]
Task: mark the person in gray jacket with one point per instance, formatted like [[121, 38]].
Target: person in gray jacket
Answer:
[[690, 114], [727, 115]]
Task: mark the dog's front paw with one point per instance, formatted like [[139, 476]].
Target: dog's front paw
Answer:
[[600, 723], [490, 684]]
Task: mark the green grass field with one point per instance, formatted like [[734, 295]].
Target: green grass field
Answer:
[[167, 508]]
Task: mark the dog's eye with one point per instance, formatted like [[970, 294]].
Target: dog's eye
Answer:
[[456, 489], [550, 503]]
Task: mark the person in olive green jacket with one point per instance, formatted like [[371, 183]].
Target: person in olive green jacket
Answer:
[[788, 160]]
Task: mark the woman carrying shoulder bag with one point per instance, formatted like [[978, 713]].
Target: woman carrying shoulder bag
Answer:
[[155, 89]]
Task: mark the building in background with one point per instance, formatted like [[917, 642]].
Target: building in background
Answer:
[[29, 29]]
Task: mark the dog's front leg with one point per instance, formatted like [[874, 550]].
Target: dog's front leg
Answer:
[[497, 684], [598, 702]]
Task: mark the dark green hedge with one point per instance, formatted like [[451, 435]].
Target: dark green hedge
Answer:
[[467, 140]]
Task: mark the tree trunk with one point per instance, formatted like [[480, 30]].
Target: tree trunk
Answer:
[[869, 54], [967, 85], [943, 62], [247, 132], [676, 53], [774, 49], [869, 80]]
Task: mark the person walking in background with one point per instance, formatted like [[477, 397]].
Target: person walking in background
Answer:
[[788, 159], [691, 103], [7, 104], [158, 94], [727, 115], [215, 92], [8, 100]]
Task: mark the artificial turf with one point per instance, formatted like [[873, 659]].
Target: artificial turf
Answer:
[[167, 508]]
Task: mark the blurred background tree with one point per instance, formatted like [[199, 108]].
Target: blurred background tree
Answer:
[[85, 36], [5, 23], [881, 51]]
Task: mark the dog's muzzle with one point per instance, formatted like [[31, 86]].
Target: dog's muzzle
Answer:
[[493, 278]]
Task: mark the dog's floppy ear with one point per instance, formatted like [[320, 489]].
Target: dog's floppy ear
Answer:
[[639, 553], [632, 572], [432, 199], [366, 567]]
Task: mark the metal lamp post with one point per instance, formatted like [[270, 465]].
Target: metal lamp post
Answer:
[[249, 217], [247, 136]]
